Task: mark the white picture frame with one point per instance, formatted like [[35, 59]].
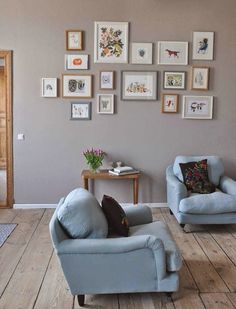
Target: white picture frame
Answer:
[[197, 107], [107, 80], [141, 53], [76, 86], [172, 53], [111, 42], [76, 62], [49, 87], [203, 45], [80, 111], [139, 85], [200, 78], [105, 103], [174, 80]]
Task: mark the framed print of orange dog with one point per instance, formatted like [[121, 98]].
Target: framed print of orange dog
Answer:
[[172, 53]]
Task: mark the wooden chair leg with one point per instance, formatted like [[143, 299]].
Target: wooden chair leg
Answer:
[[81, 300]]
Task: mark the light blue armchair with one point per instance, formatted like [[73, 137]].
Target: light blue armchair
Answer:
[[192, 208], [145, 261]]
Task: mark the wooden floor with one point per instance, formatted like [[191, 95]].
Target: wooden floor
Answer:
[[30, 276]]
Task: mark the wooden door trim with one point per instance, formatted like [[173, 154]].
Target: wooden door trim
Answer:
[[7, 56]]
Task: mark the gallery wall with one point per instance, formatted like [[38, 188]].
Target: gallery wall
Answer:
[[48, 163]]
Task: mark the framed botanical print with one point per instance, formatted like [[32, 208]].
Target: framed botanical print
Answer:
[[49, 87], [76, 86], [170, 103], [76, 62], [107, 80], [203, 45], [74, 40], [105, 103], [139, 85], [174, 80], [197, 107], [172, 53], [141, 53], [80, 110], [200, 78], [111, 42]]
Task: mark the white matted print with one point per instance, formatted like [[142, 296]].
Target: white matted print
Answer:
[[80, 110], [76, 62], [200, 78], [105, 103], [174, 80], [111, 42], [170, 103], [107, 80], [139, 85], [172, 53], [197, 107], [49, 87], [203, 45], [141, 53], [76, 86]]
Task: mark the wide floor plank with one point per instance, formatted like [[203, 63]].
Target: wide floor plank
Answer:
[[109, 301], [216, 301]]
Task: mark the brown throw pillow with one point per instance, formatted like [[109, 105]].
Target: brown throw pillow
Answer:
[[115, 215], [195, 175]]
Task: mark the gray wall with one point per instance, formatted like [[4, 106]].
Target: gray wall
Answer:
[[48, 163]]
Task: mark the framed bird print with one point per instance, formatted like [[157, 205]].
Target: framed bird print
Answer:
[[203, 45]]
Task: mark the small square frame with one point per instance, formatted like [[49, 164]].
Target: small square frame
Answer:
[[74, 40], [49, 87], [197, 107], [200, 78], [170, 103], [107, 80], [109, 108], [141, 53], [80, 111], [174, 80]]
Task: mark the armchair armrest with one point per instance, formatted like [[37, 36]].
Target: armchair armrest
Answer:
[[228, 185], [136, 215], [108, 245]]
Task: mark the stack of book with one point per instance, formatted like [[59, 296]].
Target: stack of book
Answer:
[[123, 170]]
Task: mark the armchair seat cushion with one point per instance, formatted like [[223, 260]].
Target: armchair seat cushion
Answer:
[[160, 230], [208, 204]]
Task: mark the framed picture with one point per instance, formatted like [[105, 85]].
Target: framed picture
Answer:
[[76, 86], [111, 42], [200, 78], [173, 53], [141, 53], [76, 62], [174, 80], [105, 103], [49, 87], [107, 80], [203, 45], [80, 110], [74, 40], [197, 107], [170, 103], [139, 85]]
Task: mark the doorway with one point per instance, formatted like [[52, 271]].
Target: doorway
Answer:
[[6, 157]]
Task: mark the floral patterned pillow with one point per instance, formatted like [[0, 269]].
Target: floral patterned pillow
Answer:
[[195, 175]]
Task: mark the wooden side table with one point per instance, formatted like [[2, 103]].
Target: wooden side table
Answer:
[[86, 175]]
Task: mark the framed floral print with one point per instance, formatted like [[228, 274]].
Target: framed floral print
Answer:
[[80, 110], [203, 45], [111, 42], [197, 107], [141, 53], [200, 78], [170, 103], [105, 103], [139, 85], [174, 80], [74, 40], [76, 86], [172, 53]]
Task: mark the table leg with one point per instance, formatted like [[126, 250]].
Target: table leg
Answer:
[[135, 190], [86, 186]]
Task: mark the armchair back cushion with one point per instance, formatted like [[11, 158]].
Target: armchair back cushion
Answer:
[[81, 216], [215, 167]]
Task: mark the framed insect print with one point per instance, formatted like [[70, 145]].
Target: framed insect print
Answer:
[[141, 53], [105, 103]]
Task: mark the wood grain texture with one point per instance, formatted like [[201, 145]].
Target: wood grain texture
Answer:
[[216, 301]]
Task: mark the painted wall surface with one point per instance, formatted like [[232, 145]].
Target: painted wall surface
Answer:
[[47, 165]]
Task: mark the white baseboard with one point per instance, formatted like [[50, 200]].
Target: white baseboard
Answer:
[[38, 206]]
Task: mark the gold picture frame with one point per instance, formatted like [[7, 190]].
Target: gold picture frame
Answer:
[[74, 40]]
